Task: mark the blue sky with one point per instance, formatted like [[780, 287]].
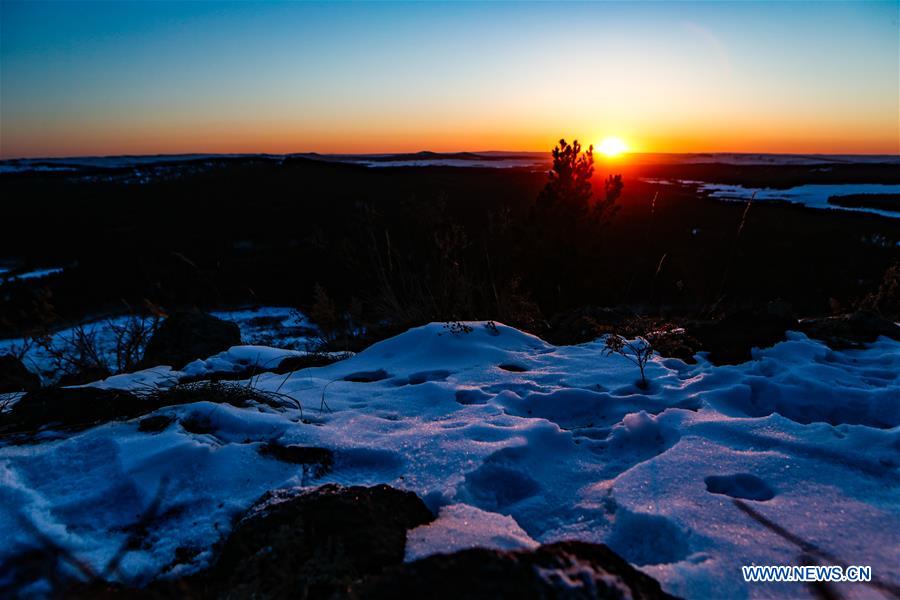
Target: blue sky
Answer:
[[146, 77]]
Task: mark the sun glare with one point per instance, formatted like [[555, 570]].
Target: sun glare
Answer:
[[612, 146]]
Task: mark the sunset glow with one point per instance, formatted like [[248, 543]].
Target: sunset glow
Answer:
[[145, 77], [612, 147]]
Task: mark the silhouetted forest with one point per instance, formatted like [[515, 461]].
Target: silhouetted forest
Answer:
[[388, 248]]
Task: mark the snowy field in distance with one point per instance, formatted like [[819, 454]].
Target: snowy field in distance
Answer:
[[514, 441], [509, 163], [34, 274], [812, 195]]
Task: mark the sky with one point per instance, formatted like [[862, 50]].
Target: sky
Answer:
[[105, 78]]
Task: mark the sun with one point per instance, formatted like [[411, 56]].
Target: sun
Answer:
[[612, 146]]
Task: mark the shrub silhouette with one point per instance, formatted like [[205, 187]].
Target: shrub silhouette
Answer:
[[568, 193], [567, 218]]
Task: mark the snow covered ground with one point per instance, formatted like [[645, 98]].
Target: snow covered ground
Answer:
[[267, 325], [514, 441]]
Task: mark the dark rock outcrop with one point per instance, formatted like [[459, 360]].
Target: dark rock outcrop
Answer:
[[15, 377], [187, 336], [568, 570], [314, 544]]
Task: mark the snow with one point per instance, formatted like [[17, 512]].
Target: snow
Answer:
[[569, 447], [35, 274], [461, 526]]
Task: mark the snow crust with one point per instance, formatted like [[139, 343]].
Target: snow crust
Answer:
[[461, 526], [513, 441]]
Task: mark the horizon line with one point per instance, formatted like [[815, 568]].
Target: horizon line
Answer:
[[426, 151]]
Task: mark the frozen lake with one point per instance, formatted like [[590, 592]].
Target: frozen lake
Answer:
[[813, 195]]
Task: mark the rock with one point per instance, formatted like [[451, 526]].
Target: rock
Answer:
[[730, 339], [187, 336], [315, 543], [15, 377], [568, 570], [319, 460], [851, 330], [70, 408], [348, 543], [88, 375]]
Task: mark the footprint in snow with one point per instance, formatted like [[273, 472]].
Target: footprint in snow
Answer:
[[367, 376], [646, 539], [513, 367]]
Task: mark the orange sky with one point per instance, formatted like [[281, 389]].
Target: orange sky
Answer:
[[147, 78]]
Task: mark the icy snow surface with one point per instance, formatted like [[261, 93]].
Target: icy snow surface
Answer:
[[461, 526], [528, 443]]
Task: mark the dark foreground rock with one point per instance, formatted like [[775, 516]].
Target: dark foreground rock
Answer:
[[15, 377], [850, 331], [570, 570], [314, 544], [187, 336]]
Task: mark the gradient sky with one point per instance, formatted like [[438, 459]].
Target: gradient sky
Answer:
[[158, 77]]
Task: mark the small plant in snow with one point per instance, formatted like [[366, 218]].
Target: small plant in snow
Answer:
[[457, 327], [82, 348], [637, 351]]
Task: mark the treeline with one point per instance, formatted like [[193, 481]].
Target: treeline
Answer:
[[383, 249]]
